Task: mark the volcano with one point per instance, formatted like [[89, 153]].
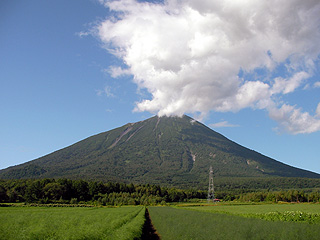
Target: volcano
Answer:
[[173, 151]]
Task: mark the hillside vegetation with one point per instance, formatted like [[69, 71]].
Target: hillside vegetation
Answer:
[[169, 151]]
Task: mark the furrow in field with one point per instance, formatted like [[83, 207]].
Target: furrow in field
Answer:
[[149, 232]]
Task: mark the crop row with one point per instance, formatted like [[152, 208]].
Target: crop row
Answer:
[[289, 216], [308, 213], [71, 223], [174, 223], [170, 222]]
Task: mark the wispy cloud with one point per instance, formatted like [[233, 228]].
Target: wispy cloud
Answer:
[[318, 111], [188, 54], [83, 34], [106, 91], [223, 124], [116, 72], [316, 84]]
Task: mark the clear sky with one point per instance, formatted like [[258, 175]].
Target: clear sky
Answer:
[[72, 69]]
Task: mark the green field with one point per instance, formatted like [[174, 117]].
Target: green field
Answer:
[[292, 212], [244, 208], [71, 223], [180, 223]]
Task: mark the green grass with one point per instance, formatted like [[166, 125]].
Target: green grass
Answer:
[[71, 223], [173, 223], [293, 212], [258, 208]]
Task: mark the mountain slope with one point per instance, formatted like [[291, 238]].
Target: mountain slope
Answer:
[[167, 150]]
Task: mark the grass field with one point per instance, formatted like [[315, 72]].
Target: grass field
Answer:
[[302, 212], [71, 223], [184, 221], [174, 223], [258, 208]]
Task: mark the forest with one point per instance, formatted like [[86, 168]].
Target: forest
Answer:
[[79, 191], [67, 191]]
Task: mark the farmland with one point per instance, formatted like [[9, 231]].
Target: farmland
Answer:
[[71, 223], [229, 220], [180, 223], [302, 212]]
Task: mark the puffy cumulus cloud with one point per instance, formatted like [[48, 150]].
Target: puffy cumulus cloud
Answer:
[[188, 54], [295, 121]]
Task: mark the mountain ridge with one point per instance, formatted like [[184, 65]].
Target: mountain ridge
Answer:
[[159, 150]]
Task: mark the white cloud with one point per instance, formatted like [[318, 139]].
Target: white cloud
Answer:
[[83, 34], [250, 94], [222, 124], [116, 72], [318, 111], [295, 121], [106, 91], [316, 84], [187, 54], [289, 85]]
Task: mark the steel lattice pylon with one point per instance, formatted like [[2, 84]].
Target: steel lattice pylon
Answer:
[[211, 186]]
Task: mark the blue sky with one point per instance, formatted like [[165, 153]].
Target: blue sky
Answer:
[[71, 69]]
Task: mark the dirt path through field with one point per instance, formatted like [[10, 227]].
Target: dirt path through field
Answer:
[[149, 232]]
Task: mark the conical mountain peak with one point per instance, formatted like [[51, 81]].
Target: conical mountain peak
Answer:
[[160, 150]]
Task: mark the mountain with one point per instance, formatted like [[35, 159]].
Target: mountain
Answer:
[[170, 151]]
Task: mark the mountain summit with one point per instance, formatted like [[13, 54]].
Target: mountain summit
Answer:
[[174, 151]]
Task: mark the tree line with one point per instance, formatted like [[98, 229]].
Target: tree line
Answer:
[[67, 191], [80, 191], [281, 196], [271, 183]]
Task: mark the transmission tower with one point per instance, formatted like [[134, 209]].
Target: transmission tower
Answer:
[[211, 186]]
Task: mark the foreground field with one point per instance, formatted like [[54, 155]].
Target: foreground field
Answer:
[[308, 213], [257, 208], [71, 223], [173, 223], [219, 221]]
